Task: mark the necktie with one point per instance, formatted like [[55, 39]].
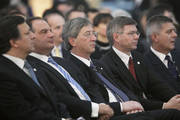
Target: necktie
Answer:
[[131, 68], [117, 92], [171, 67], [68, 77], [31, 72], [57, 52]]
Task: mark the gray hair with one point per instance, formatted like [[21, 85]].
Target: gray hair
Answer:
[[154, 25], [72, 28], [117, 25]]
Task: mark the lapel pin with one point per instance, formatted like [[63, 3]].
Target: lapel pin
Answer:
[[34, 69], [138, 62]]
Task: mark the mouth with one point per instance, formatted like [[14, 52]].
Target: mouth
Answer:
[[172, 42], [93, 45], [51, 41]]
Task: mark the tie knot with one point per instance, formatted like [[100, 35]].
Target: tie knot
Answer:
[[27, 65], [167, 58], [93, 66], [130, 60], [50, 59]]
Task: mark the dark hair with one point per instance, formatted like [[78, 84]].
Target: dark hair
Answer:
[[92, 10], [159, 9], [51, 11], [9, 30], [58, 2], [73, 10], [118, 24], [102, 18]]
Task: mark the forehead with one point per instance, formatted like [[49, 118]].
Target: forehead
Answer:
[[56, 19], [168, 25], [76, 14], [129, 28], [39, 25], [86, 28]]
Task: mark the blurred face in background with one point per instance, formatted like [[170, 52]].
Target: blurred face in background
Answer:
[[56, 23]]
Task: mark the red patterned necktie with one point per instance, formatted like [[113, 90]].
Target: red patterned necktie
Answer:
[[131, 68]]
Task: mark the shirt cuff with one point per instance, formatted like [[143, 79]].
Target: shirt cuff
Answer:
[[95, 109], [121, 106]]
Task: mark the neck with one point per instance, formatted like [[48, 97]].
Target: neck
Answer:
[[122, 50], [161, 50], [15, 53], [102, 39], [43, 52], [57, 44]]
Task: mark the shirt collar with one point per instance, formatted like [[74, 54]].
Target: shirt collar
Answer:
[[85, 61], [59, 46], [44, 58], [124, 57], [18, 61], [160, 55]]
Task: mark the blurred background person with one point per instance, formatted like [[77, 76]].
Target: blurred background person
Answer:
[[102, 44]]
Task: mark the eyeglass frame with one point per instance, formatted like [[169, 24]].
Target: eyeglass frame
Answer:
[[88, 34], [131, 33]]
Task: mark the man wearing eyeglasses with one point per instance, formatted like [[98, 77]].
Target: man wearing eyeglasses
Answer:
[[79, 38], [126, 67]]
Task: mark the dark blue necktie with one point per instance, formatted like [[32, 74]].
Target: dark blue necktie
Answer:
[[117, 92], [171, 67], [68, 77], [31, 72]]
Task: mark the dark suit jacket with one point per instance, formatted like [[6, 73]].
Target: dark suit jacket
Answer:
[[93, 85], [146, 83], [22, 99], [162, 71], [65, 93]]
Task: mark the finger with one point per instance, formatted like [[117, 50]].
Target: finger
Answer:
[[127, 113]]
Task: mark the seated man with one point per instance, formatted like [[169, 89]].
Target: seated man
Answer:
[[162, 56], [22, 96], [127, 68], [79, 38]]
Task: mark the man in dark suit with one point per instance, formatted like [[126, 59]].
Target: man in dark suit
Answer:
[[162, 42], [22, 97], [68, 93], [79, 37], [127, 67]]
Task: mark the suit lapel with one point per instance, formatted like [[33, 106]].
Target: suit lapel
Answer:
[[158, 63], [21, 74], [54, 72], [122, 69]]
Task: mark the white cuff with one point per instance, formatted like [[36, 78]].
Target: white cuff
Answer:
[[95, 109], [121, 107]]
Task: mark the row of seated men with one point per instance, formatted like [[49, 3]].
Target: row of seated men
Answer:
[[36, 86]]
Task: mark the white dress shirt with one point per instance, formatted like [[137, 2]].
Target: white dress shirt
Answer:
[[124, 57], [161, 56], [112, 98], [18, 61], [94, 106]]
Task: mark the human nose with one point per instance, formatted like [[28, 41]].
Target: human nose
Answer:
[[174, 34], [32, 36], [50, 34]]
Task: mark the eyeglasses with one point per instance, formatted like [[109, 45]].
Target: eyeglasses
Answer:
[[88, 34], [131, 33]]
